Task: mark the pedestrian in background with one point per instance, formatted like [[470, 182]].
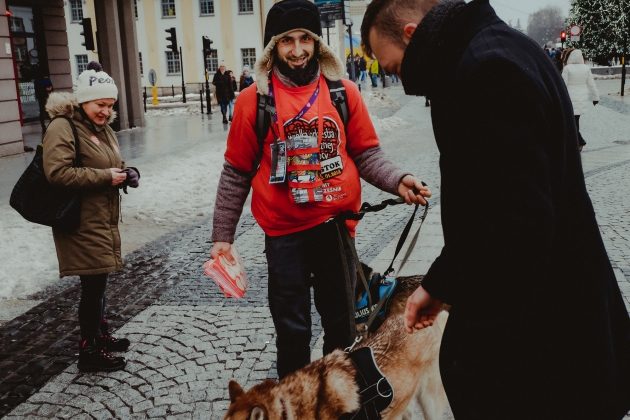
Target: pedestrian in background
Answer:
[[93, 250], [538, 328], [246, 79], [581, 86], [295, 202], [362, 68], [223, 86], [43, 89], [231, 93], [374, 72]]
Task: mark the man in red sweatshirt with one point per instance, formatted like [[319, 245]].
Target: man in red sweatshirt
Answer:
[[315, 176]]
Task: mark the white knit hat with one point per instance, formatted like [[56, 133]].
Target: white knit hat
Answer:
[[94, 83]]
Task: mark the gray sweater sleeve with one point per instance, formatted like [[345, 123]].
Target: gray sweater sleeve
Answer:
[[232, 192], [379, 171]]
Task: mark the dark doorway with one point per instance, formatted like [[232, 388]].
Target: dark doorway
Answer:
[[29, 53]]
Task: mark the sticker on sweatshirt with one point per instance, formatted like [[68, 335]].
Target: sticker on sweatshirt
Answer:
[[331, 167]]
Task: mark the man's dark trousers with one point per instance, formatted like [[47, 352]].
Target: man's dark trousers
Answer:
[[296, 262]]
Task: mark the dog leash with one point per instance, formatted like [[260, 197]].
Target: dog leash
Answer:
[[371, 208]]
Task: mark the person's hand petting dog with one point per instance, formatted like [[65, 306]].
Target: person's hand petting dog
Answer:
[[413, 190], [421, 310]]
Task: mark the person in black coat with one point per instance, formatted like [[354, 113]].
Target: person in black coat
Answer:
[[222, 82], [537, 326]]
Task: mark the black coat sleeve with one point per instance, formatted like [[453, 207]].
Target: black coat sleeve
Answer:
[[497, 189]]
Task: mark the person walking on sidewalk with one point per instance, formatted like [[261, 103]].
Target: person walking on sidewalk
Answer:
[[374, 72], [231, 93], [246, 79], [537, 328], [92, 251], [223, 90], [581, 86], [317, 160]]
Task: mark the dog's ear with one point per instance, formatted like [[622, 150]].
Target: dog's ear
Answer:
[[257, 414], [235, 390]]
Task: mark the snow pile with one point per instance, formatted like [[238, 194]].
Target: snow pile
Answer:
[[194, 109], [385, 125], [30, 251]]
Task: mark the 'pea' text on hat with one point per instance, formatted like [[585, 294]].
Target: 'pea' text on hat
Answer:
[[94, 83]]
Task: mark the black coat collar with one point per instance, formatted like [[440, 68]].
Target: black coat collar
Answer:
[[439, 41]]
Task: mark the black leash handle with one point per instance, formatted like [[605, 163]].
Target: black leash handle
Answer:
[[371, 208]]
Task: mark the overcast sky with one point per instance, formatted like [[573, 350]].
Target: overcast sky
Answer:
[[519, 9]]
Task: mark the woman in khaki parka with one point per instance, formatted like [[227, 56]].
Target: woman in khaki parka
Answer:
[[93, 250]]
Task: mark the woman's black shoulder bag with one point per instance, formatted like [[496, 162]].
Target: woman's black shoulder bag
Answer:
[[40, 202]]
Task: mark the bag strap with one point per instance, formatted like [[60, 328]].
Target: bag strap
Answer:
[[77, 143], [265, 107]]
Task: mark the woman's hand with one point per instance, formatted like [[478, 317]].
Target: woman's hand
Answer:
[[118, 176]]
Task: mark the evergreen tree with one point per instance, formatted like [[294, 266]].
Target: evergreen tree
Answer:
[[605, 27]]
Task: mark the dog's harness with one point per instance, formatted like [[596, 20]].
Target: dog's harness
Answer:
[[375, 391]]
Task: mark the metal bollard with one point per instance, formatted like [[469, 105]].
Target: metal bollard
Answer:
[[201, 99], [144, 97], [173, 90]]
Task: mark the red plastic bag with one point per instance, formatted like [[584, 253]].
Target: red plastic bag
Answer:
[[230, 278]]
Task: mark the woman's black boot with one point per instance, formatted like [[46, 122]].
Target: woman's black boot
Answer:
[[93, 357]]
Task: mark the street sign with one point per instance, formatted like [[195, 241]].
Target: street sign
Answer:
[[346, 13], [575, 30], [330, 9], [152, 77]]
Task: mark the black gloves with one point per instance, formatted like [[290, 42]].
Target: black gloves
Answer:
[[133, 178]]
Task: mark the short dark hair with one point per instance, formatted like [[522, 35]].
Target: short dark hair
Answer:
[[383, 16]]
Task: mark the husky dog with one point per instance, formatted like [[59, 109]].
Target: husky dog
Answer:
[[326, 388]]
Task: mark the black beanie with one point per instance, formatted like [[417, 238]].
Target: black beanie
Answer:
[[292, 14]]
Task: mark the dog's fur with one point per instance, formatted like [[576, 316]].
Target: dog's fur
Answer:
[[326, 389]]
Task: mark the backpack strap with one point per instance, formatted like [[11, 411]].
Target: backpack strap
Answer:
[[339, 98], [266, 107]]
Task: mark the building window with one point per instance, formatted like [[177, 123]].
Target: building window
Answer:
[[76, 10], [249, 57], [246, 6], [213, 61], [206, 7], [168, 8], [172, 63], [82, 62], [140, 62], [135, 8], [16, 24]]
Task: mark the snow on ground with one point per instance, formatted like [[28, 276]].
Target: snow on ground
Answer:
[[175, 191]]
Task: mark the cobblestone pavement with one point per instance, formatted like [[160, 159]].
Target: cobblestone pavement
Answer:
[[188, 340]]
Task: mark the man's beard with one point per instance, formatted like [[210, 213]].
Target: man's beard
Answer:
[[300, 76]]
